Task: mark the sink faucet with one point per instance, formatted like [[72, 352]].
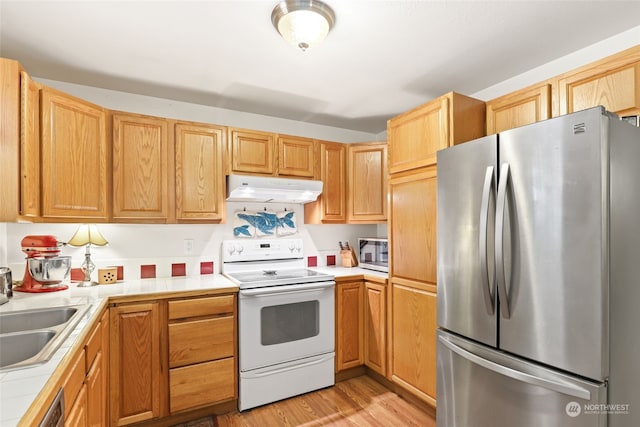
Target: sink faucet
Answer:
[[6, 285]]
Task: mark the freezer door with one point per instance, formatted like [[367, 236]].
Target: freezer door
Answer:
[[467, 178], [551, 243], [482, 387]]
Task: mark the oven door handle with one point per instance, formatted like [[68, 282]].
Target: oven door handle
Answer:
[[285, 289]]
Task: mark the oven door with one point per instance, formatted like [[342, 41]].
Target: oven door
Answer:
[[284, 323]]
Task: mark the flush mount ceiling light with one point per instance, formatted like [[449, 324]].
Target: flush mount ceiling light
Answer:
[[303, 23]]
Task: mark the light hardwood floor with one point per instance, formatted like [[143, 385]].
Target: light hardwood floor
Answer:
[[359, 401]]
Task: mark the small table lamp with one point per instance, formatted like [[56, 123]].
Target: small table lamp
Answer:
[[87, 235]]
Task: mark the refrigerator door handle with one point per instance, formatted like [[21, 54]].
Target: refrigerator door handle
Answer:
[[501, 205], [487, 283], [561, 387]]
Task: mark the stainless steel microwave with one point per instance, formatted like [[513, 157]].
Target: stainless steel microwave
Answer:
[[373, 253]]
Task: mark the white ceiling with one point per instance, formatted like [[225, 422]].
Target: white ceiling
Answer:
[[381, 58]]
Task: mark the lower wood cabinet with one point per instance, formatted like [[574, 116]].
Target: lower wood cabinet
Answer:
[[85, 381], [375, 321], [413, 327], [202, 352], [171, 356], [349, 324], [135, 363]]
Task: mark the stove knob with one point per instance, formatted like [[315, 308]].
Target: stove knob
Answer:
[[291, 247], [239, 249]]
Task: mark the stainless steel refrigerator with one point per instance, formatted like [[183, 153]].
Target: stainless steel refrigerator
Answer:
[[539, 276]]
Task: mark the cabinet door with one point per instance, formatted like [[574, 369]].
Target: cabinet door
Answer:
[[349, 326], [413, 226], [367, 183], [74, 158], [77, 416], [331, 204], [140, 168], [375, 326], [134, 374], [296, 156], [416, 136], [96, 399], [614, 84], [519, 108], [413, 345], [10, 140], [29, 147], [200, 186], [252, 152]]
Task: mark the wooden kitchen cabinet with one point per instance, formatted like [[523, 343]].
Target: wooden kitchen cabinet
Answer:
[[367, 182], [84, 382], [135, 368], [412, 230], [10, 173], [29, 147], [296, 156], [349, 324], [331, 205], [141, 168], [375, 326], [199, 172], [412, 328], [202, 351], [415, 136], [519, 108], [74, 158], [251, 152], [613, 82]]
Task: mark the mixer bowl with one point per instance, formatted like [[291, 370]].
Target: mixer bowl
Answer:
[[50, 270]]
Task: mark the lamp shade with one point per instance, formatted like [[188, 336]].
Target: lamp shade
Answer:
[[303, 23], [87, 234]]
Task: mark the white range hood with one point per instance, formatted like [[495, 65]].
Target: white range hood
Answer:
[[245, 188]]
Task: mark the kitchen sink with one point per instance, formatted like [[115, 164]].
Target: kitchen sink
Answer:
[[31, 337], [16, 348], [35, 319]]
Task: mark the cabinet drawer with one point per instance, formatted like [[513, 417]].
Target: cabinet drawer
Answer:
[[201, 307], [94, 343], [200, 341], [74, 381], [202, 384]]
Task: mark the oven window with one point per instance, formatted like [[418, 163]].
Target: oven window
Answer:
[[289, 322]]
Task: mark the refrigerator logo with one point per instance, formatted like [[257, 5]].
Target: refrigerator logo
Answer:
[[573, 409], [579, 128]]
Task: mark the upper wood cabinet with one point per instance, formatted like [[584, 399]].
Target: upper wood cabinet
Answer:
[[75, 158], [519, 108], [613, 82], [29, 147], [412, 227], [10, 175], [414, 137], [331, 204], [199, 173], [251, 152], [296, 156], [140, 168], [367, 182]]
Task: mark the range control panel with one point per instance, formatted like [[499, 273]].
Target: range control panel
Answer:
[[261, 249]]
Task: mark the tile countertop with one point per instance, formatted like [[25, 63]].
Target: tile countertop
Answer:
[[19, 388]]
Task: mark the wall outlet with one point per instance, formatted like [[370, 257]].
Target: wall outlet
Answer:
[[188, 246]]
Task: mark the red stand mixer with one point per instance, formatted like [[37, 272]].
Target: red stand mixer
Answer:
[[45, 270]]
